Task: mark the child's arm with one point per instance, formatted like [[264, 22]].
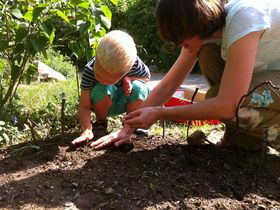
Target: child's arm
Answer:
[[84, 118]]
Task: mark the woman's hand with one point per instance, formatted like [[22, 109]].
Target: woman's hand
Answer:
[[142, 118], [127, 86]]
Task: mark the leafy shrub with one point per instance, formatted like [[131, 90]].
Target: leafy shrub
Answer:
[[29, 27], [4, 77], [9, 134], [36, 112]]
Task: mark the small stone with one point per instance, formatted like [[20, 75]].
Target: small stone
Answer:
[[278, 180], [68, 204], [261, 207], [196, 138], [109, 191]]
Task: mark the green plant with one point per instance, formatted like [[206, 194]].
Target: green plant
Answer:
[[28, 27], [20, 151], [9, 134], [42, 104]]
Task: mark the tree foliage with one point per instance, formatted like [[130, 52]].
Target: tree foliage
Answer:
[[29, 27]]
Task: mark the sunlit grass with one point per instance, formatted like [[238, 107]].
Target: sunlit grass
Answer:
[[36, 96], [181, 129]]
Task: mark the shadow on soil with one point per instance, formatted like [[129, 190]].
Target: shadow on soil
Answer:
[[153, 172]]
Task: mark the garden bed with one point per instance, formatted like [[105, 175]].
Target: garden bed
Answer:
[[148, 173]]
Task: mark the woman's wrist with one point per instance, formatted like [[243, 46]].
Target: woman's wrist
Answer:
[[159, 112]]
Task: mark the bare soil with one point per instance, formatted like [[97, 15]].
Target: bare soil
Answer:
[[147, 173]]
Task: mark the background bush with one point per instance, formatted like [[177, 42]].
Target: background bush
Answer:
[[36, 112]]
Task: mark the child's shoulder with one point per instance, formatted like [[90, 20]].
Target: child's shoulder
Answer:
[[90, 64]]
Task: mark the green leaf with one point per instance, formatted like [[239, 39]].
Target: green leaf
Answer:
[[6, 137], [77, 51], [84, 4], [30, 72], [45, 54], [106, 12], [39, 43], [4, 45], [115, 2], [63, 16], [49, 31], [15, 70], [37, 12], [18, 51], [32, 1], [21, 34], [47, 27], [17, 13], [52, 36], [106, 21], [89, 54], [28, 16], [84, 26]]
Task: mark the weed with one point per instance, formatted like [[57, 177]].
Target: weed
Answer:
[[28, 147]]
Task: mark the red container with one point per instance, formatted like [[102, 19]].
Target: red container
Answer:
[[174, 101]]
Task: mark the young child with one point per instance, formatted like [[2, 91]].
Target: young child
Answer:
[[236, 44], [112, 83]]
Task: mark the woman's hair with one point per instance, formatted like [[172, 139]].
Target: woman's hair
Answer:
[[116, 52], [181, 19]]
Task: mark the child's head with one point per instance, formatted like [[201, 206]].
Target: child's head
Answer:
[[115, 55], [181, 19]]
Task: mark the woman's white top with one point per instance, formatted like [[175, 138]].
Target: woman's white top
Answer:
[[246, 16]]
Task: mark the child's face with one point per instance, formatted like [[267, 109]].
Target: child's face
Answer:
[[104, 77]]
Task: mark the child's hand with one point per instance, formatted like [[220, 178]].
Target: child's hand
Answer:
[[127, 87], [116, 138], [86, 136]]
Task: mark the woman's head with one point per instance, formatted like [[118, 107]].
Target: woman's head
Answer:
[[181, 19]]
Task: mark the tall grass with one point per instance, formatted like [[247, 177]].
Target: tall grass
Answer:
[[37, 96]]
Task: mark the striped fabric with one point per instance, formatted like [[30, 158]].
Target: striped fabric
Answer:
[[139, 69]]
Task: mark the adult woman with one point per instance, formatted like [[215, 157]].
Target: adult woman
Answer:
[[237, 47]]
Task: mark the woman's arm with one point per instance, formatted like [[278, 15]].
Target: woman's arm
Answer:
[[172, 80], [235, 83]]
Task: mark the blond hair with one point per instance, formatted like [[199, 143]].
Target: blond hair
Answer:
[[116, 52]]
